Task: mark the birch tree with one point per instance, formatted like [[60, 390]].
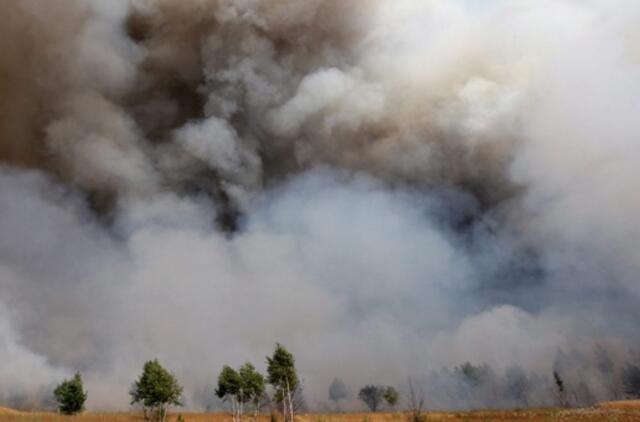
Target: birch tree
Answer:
[[251, 386], [282, 376], [240, 388], [229, 389], [156, 390]]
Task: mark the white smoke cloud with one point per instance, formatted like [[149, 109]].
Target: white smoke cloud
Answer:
[[384, 187], [26, 368]]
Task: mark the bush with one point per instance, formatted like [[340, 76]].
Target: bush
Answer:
[[70, 396]]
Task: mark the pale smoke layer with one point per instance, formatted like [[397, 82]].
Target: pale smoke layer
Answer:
[[384, 187]]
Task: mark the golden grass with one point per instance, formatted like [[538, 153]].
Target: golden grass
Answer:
[[6, 411], [623, 404], [626, 411]]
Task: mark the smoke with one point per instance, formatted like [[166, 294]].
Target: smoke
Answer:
[[385, 187]]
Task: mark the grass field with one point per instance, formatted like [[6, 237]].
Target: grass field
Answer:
[[626, 411]]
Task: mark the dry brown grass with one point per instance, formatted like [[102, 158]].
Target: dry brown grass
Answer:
[[626, 411], [623, 404], [6, 411]]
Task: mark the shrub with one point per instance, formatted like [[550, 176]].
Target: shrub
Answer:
[[70, 396]]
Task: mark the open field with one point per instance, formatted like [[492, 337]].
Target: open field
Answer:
[[626, 411]]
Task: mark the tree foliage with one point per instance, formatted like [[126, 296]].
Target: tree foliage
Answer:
[[228, 383], [70, 395], [155, 390], [474, 376], [372, 396], [391, 396], [337, 390], [240, 387], [282, 376], [252, 384]]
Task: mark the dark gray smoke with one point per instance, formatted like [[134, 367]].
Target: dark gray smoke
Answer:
[[386, 187]]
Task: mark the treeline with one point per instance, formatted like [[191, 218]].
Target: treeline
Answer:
[[157, 389], [576, 380]]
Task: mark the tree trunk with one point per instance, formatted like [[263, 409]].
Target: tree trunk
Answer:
[[284, 405], [234, 410], [290, 400]]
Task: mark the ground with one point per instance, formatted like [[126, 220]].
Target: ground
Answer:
[[625, 411]]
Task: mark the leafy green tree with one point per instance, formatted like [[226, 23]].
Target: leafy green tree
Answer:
[[240, 387], [229, 385], [252, 385], [156, 390], [282, 376], [391, 396], [372, 395], [70, 395]]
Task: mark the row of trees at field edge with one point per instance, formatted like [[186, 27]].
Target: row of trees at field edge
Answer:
[[476, 386], [372, 395], [157, 388]]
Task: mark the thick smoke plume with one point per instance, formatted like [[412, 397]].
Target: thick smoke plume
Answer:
[[386, 187]]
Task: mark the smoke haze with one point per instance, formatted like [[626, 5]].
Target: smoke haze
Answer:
[[386, 187]]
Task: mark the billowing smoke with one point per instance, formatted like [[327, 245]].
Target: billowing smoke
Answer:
[[386, 187]]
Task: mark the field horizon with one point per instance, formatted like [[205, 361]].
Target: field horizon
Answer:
[[621, 411]]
